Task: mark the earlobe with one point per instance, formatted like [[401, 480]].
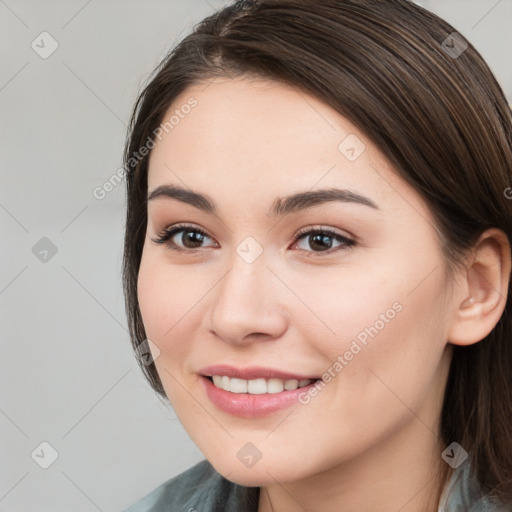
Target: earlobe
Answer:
[[480, 297]]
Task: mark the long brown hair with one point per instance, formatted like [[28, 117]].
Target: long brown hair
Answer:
[[434, 109]]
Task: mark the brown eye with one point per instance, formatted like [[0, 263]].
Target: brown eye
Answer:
[[321, 240], [189, 236]]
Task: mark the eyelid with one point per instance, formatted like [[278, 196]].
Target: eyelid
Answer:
[[322, 228]]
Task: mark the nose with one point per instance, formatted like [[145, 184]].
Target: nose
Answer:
[[246, 304]]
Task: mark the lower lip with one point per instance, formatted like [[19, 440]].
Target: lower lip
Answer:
[[246, 405]]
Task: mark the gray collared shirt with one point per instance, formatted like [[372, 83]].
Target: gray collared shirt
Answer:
[[202, 489]]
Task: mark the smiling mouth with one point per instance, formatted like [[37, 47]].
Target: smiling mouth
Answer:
[[259, 386], [256, 397]]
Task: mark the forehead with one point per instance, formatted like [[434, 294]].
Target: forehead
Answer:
[[254, 138]]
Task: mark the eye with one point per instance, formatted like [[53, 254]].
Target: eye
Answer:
[[320, 240], [191, 238]]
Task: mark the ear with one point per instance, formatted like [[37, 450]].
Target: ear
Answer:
[[481, 294]]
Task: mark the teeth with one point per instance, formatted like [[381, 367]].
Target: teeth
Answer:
[[257, 386], [275, 386], [237, 385], [290, 385]]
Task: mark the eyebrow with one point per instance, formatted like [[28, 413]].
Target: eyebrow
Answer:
[[281, 206]]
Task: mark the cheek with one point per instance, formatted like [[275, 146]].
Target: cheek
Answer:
[[153, 299], [396, 361], [392, 323], [167, 298], [166, 301], [344, 305]]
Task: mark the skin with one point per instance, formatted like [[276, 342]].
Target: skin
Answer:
[[368, 440]]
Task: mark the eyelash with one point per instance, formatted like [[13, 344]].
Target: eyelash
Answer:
[[164, 236]]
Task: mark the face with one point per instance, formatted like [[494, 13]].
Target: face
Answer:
[[342, 293]]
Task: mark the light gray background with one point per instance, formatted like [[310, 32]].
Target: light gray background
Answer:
[[68, 376]]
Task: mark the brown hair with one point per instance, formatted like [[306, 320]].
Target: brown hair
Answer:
[[438, 115]]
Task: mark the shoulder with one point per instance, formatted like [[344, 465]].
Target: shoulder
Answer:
[[463, 493], [198, 489]]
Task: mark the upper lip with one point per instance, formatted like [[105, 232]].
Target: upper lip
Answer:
[[252, 372]]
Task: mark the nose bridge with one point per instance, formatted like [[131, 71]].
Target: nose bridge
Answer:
[[245, 302], [244, 287]]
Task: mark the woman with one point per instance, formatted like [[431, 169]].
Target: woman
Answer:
[[317, 260]]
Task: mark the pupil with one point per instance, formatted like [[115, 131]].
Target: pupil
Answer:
[[322, 240], [192, 237]]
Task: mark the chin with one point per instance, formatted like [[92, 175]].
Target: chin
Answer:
[[261, 473]]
